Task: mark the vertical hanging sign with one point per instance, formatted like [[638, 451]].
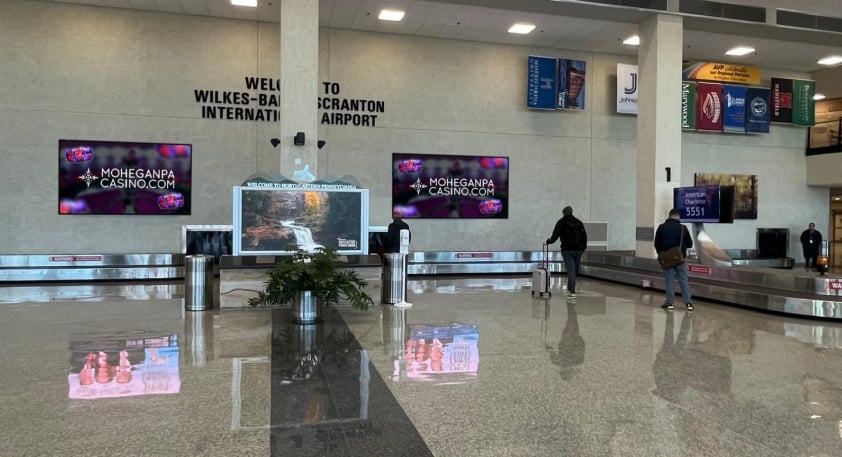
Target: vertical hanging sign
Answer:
[[803, 105], [541, 83], [709, 107], [688, 105], [757, 110], [571, 84], [626, 88], [781, 100], [734, 109]]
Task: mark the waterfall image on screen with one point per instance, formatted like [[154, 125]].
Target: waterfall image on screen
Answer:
[[303, 236], [275, 220]]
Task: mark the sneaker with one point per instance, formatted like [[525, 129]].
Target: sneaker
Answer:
[[570, 295], [689, 306], [668, 306]]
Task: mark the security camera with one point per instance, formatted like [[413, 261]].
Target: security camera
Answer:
[[275, 142]]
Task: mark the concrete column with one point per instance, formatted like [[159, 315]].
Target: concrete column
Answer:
[[658, 124], [299, 84]]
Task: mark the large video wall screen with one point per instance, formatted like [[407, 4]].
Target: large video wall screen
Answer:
[[450, 186], [267, 221], [110, 177]]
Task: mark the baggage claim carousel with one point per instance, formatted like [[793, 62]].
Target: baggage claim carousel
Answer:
[[749, 283]]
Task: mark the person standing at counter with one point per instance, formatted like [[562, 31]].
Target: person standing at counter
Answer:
[[670, 234], [811, 240], [393, 234]]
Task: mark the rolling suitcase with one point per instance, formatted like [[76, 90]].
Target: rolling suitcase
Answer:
[[541, 275]]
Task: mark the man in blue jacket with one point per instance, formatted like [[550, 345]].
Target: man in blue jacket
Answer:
[[671, 234]]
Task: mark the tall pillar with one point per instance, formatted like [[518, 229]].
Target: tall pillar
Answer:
[[299, 84], [658, 124]]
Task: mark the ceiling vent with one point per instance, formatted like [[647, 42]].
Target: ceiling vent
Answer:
[[660, 5], [809, 21], [722, 10]]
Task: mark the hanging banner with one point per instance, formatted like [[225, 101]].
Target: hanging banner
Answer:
[[757, 110], [709, 112], [626, 88], [688, 105], [571, 84], [803, 105], [723, 72], [781, 100], [541, 86], [734, 109]]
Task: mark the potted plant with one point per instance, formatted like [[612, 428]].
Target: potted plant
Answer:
[[310, 281]]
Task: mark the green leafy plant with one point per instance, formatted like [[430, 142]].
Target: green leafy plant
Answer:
[[317, 272]]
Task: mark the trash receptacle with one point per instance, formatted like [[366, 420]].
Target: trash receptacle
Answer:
[[198, 282], [394, 278]]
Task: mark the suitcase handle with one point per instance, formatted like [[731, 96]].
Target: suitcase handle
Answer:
[[545, 256]]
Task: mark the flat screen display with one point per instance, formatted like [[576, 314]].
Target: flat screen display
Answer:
[[269, 220], [110, 177], [705, 203], [450, 187]]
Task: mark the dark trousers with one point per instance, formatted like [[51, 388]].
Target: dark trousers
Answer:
[[810, 260], [572, 260]]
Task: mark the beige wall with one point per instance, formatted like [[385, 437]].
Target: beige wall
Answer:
[[112, 74]]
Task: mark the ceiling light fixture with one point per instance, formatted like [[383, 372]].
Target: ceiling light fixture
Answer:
[[521, 28], [739, 51], [830, 60], [633, 40], [391, 15], [251, 3], [819, 97]]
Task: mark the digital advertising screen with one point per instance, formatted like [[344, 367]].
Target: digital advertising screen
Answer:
[[127, 366], [450, 187], [434, 350], [705, 203], [269, 220], [111, 177]]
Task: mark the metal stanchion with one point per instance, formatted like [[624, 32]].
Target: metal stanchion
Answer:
[[394, 278], [198, 282]]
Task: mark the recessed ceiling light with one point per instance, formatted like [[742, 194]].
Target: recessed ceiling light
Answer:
[[819, 97], [633, 40], [521, 28], [830, 60], [739, 51], [252, 3], [391, 15]]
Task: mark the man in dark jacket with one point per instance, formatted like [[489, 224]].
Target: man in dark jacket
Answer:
[[811, 241], [393, 235], [574, 241], [671, 234]]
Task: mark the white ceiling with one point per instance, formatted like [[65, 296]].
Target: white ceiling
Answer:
[[560, 25]]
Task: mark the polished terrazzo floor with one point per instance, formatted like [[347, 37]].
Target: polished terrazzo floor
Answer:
[[476, 367]]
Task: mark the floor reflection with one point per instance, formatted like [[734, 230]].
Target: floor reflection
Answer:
[[327, 398]]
